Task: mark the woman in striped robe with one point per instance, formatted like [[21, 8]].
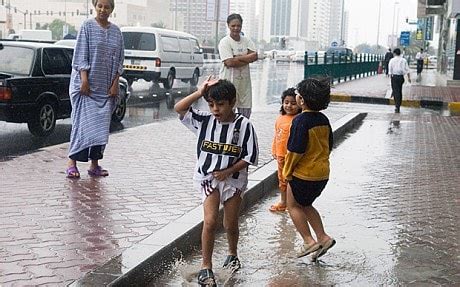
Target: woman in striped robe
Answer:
[[97, 63]]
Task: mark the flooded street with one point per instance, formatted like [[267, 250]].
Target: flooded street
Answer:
[[392, 224]]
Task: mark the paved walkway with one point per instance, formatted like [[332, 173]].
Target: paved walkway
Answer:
[[54, 230], [392, 204], [430, 89]]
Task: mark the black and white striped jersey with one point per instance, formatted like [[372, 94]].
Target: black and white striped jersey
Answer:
[[220, 145]]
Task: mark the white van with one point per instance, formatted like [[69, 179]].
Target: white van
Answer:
[[161, 55], [35, 35]]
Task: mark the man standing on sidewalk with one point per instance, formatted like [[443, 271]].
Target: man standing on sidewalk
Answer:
[[386, 60], [397, 68], [420, 58]]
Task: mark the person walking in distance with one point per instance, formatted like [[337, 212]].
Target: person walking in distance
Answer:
[[289, 109], [236, 53], [96, 66], [386, 60], [306, 166], [226, 146], [398, 68]]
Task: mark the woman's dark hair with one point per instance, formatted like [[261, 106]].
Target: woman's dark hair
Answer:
[[233, 17], [287, 92], [316, 92], [397, 51], [222, 91]]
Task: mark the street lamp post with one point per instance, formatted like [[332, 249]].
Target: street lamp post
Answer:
[[393, 35], [378, 23]]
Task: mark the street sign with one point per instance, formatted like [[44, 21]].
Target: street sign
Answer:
[[404, 39], [419, 34], [334, 44], [429, 29]]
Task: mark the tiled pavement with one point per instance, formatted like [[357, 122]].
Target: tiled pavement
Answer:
[[54, 230], [392, 204], [378, 87]]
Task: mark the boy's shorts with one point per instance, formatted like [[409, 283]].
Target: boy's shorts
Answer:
[[227, 191], [305, 192]]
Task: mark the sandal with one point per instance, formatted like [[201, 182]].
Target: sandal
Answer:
[[278, 207], [308, 249], [324, 248], [72, 172], [98, 171], [206, 278]]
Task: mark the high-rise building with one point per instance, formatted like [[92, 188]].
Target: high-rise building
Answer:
[[190, 16], [311, 21], [247, 10]]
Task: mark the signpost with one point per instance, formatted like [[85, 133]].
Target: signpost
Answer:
[[429, 29], [404, 39]]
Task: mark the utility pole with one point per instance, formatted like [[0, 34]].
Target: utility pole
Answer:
[[216, 46], [342, 23], [378, 23]]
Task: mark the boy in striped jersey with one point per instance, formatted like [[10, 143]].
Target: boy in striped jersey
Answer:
[[226, 146]]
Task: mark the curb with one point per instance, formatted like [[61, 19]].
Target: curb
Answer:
[[385, 101], [142, 263]]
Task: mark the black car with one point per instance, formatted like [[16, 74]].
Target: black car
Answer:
[[34, 85]]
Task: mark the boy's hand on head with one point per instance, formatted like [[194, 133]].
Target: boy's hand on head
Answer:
[[210, 81]]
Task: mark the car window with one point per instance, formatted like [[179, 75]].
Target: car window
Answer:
[[170, 44], [55, 62], [139, 41], [185, 45], [16, 60], [195, 45]]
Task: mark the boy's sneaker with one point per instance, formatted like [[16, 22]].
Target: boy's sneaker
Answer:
[[232, 262], [206, 278]]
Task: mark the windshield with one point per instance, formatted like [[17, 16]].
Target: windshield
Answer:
[[139, 41], [16, 60]]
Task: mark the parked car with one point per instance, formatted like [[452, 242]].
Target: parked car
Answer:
[[161, 55], [34, 85]]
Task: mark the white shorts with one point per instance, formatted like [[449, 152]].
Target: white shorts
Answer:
[[226, 191]]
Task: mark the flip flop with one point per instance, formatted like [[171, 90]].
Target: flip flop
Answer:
[[308, 249], [98, 171], [72, 172], [277, 207], [325, 247]]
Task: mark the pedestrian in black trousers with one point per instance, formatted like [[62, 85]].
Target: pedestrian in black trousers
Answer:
[[397, 68], [386, 60]]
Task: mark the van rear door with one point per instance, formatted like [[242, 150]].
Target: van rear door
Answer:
[[140, 51]]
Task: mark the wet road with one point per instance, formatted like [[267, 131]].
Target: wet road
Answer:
[[394, 224], [147, 105]]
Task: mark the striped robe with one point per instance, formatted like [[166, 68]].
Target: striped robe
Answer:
[[99, 51], [219, 145]]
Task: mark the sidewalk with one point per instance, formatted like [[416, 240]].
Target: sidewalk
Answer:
[[430, 91], [55, 230]]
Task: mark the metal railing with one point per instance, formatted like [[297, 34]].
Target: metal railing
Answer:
[[342, 66]]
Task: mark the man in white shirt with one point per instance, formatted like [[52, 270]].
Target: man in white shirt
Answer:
[[237, 52], [420, 58], [397, 68]]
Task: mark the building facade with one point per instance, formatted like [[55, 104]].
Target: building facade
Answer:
[[25, 14]]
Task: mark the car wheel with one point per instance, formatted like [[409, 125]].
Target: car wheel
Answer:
[[120, 110], [169, 82], [170, 102], [195, 78], [43, 121]]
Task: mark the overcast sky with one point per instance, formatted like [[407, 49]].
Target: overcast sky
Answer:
[[363, 19]]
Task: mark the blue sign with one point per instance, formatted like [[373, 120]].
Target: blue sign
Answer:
[[404, 39]]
